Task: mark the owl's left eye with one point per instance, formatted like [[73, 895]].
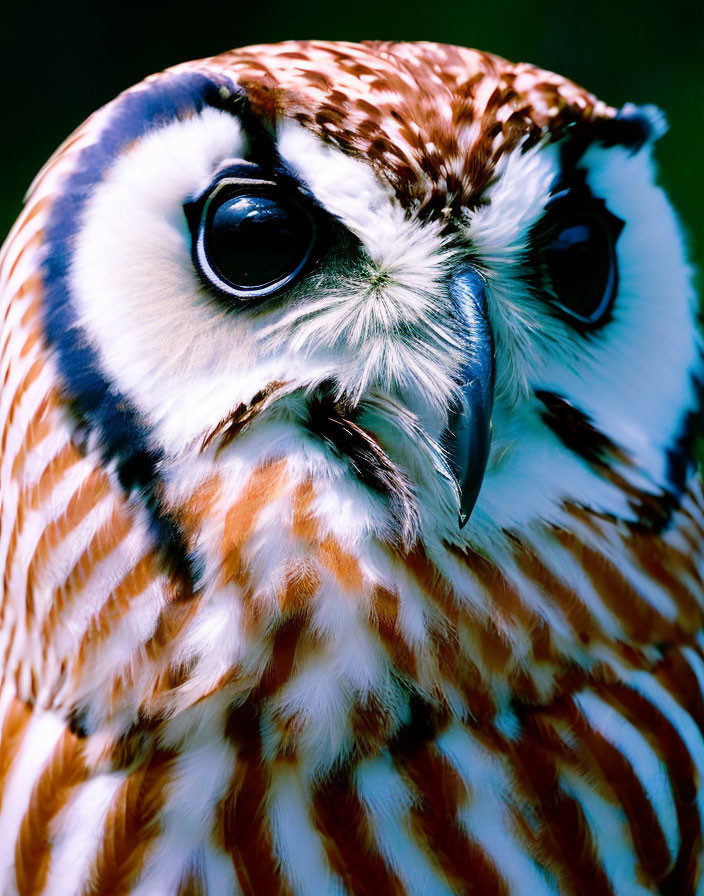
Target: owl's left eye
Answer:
[[575, 257], [252, 240]]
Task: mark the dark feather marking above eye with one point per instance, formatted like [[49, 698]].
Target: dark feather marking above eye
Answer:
[[631, 128]]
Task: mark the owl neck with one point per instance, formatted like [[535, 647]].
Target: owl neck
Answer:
[[323, 680], [331, 646]]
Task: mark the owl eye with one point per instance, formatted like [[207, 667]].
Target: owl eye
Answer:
[[576, 258], [253, 241]]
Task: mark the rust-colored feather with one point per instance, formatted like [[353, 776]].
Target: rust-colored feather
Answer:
[[63, 773]]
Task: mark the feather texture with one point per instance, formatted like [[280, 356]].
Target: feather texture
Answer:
[[332, 689]]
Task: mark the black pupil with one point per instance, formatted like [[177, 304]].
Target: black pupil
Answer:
[[254, 241], [580, 264]]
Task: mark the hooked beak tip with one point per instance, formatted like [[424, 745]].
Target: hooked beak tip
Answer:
[[471, 426]]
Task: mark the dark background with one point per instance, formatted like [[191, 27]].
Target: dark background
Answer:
[[60, 61]]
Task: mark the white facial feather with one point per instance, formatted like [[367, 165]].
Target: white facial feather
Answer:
[[629, 376], [638, 360]]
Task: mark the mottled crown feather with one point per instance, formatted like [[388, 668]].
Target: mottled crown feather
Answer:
[[433, 119]]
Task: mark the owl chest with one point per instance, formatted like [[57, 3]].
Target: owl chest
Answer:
[[575, 800]]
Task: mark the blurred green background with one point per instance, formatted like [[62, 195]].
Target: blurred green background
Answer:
[[60, 61]]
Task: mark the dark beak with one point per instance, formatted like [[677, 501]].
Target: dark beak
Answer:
[[470, 425]]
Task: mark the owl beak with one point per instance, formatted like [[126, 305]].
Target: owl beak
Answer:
[[470, 425]]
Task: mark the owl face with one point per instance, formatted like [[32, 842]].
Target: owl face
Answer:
[[431, 277]]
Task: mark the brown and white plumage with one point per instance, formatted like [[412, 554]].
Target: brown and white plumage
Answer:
[[246, 646]]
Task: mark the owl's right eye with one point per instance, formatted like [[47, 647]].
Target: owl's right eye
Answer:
[[252, 240]]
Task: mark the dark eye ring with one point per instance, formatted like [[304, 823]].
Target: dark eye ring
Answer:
[[574, 257], [251, 238]]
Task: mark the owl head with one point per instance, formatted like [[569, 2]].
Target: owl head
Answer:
[[433, 277], [359, 327]]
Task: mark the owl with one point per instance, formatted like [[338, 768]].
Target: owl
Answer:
[[351, 534]]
